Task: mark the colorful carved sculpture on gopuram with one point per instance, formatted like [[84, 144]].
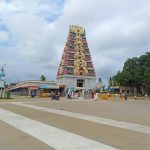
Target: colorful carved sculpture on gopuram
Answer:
[[76, 59]]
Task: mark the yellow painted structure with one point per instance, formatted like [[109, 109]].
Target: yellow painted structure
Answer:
[[76, 29], [106, 96], [110, 96]]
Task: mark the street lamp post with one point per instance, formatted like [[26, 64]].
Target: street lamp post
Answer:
[[2, 74]]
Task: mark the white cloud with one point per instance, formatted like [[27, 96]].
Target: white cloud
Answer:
[[3, 36], [31, 6], [38, 30]]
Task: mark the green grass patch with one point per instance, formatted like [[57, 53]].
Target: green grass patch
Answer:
[[5, 98]]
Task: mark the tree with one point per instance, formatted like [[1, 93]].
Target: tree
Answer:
[[136, 72], [42, 77]]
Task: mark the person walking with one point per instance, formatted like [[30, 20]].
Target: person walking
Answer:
[[32, 94], [96, 96], [125, 96]]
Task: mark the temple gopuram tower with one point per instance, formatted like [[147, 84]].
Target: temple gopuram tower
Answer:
[[76, 68]]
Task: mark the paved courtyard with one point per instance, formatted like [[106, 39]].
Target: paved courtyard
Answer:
[[43, 124]]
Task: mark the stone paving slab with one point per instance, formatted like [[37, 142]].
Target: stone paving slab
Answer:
[[129, 111]]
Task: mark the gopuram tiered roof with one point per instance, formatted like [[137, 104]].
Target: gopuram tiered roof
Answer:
[[76, 59]]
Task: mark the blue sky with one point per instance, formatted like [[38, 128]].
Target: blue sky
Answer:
[[33, 34]]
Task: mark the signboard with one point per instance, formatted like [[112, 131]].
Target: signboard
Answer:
[[33, 87], [47, 86]]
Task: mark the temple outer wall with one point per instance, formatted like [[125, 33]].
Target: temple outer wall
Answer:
[[71, 81]]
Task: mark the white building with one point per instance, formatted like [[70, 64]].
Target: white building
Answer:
[[42, 88]]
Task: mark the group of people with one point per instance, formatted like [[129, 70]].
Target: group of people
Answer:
[[53, 95], [122, 96], [76, 94], [70, 94]]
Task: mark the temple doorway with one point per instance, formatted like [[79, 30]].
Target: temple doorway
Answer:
[[80, 83]]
